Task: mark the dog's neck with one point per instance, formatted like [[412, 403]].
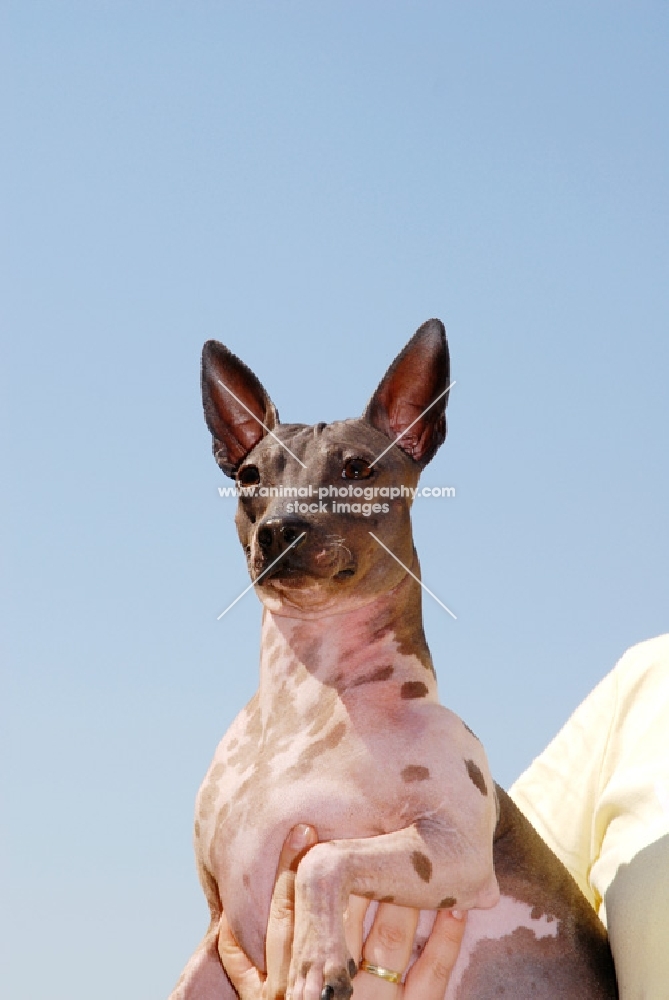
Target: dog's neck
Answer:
[[380, 639]]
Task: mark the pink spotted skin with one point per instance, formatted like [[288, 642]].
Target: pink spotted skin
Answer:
[[346, 732]]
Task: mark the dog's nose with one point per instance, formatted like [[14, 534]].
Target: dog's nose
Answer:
[[277, 533]]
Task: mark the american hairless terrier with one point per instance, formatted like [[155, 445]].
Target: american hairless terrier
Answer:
[[346, 732]]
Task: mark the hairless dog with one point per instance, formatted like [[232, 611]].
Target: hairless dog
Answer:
[[346, 732]]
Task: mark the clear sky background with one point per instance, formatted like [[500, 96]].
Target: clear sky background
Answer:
[[307, 182]]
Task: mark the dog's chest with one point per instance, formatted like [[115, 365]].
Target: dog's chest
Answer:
[[307, 753], [314, 758]]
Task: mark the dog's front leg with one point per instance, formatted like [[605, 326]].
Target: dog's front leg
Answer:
[[422, 866]]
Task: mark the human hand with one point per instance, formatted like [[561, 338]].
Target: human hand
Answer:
[[246, 979], [388, 945], [388, 948]]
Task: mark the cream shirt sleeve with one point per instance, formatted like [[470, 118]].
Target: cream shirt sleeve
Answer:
[[599, 793], [599, 796]]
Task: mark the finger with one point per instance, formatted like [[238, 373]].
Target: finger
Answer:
[[242, 974], [282, 910], [354, 919], [388, 946], [429, 977], [390, 940]]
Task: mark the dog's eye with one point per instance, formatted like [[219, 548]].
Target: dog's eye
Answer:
[[248, 476], [356, 468]]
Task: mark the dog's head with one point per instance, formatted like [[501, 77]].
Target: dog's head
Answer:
[[316, 495]]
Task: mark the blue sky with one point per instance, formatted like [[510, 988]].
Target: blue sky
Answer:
[[307, 183]]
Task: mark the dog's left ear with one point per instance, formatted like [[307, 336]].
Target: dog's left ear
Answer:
[[413, 390]]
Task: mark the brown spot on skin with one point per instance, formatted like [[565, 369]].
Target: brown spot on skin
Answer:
[[209, 792], [422, 865], [246, 880], [270, 641], [283, 708], [304, 968], [413, 689], [311, 653], [299, 770], [408, 631], [387, 899], [305, 761], [415, 772], [210, 887], [352, 968], [381, 630], [321, 714], [197, 828], [447, 903], [253, 725], [272, 656], [245, 754], [327, 742], [381, 674], [220, 819], [471, 731], [476, 776]]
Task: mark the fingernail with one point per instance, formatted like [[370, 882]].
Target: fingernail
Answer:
[[301, 836], [458, 914]]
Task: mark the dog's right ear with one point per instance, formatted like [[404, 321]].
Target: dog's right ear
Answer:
[[238, 411]]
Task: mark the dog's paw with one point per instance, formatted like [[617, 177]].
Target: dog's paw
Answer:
[[338, 984], [322, 982], [321, 968]]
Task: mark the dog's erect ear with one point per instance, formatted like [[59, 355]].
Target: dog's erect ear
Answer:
[[235, 406], [417, 377]]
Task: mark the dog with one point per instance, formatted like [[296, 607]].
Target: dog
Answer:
[[346, 732]]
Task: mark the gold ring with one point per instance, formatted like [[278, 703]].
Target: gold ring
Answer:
[[377, 970]]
